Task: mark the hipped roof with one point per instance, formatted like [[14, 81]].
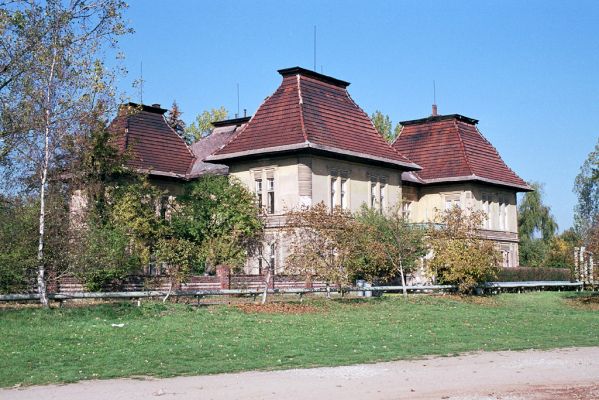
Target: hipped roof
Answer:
[[450, 148], [312, 112], [150, 144]]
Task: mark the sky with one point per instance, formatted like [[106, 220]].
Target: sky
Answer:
[[528, 71]]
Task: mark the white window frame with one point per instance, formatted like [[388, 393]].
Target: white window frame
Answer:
[[343, 193]]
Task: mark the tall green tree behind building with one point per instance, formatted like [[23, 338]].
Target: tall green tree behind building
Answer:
[[384, 126], [202, 125], [586, 212], [536, 227]]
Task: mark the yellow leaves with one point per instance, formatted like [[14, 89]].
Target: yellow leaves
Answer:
[[459, 256]]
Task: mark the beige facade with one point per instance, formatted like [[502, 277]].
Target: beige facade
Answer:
[[422, 204], [296, 181], [286, 183]]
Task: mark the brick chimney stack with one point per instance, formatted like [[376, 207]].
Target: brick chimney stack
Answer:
[[435, 110]]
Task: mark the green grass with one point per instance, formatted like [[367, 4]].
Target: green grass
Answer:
[[64, 345]]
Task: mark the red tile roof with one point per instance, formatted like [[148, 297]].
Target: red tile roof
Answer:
[[450, 148], [311, 111], [151, 145]]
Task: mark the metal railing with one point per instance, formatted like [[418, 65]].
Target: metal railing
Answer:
[[489, 286]]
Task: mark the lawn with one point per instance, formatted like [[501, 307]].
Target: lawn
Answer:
[[70, 344]]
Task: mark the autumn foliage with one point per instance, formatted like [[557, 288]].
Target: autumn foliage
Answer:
[[460, 257]]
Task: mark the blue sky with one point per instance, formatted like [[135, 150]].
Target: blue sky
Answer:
[[529, 71]]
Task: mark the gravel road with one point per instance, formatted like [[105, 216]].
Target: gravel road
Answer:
[[571, 373]]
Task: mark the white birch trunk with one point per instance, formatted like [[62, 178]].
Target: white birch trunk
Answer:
[[403, 280], [41, 269], [266, 282]]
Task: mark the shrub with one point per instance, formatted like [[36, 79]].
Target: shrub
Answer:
[[460, 257], [18, 245], [522, 274], [102, 256]]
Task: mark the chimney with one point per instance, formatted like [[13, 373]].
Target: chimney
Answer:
[[435, 110], [156, 105], [245, 112]]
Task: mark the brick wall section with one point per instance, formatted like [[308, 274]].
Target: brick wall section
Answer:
[[222, 280]]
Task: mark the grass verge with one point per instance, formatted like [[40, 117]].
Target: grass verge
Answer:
[[66, 345]]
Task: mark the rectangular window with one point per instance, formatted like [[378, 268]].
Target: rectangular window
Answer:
[[259, 193], [503, 221], [372, 194], [270, 187], [382, 189], [333, 193], [406, 209], [487, 199], [452, 200], [344, 204]]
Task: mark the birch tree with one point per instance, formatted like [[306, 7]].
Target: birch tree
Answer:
[[401, 243], [54, 85]]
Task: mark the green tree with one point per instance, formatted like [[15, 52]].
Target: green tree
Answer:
[[53, 84], [536, 227], [560, 251], [384, 126], [586, 187], [460, 256], [173, 119], [18, 226], [330, 245], [218, 214], [202, 126], [401, 243]]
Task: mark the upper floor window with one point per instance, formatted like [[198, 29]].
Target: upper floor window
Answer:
[[333, 192], [487, 199], [503, 219], [344, 202], [270, 193], [382, 194], [258, 184], [372, 194], [406, 209], [452, 200]]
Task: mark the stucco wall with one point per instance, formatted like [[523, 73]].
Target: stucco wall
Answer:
[[286, 172]]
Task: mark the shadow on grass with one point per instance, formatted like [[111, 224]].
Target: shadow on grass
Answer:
[[583, 300]]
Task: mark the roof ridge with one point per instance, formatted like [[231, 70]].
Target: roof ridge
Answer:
[[498, 155], [193, 156], [374, 127], [463, 147], [301, 107]]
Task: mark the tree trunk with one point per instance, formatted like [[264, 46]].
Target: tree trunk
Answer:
[[170, 289], [266, 283], [403, 280], [41, 269]]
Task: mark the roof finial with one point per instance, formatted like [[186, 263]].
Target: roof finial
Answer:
[[434, 99]]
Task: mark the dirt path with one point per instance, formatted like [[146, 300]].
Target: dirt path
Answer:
[[557, 374]]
